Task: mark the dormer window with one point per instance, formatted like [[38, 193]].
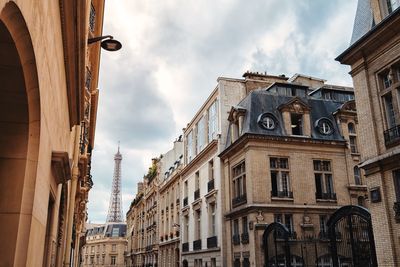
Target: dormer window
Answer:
[[324, 126], [267, 121], [296, 123]]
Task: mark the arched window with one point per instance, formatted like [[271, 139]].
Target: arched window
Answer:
[[357, 175]]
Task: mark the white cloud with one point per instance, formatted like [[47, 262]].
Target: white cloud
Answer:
[[173, 52]]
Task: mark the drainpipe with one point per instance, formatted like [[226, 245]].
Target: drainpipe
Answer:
[[71, 205]]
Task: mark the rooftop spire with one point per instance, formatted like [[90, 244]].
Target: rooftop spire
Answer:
[[115, 205]]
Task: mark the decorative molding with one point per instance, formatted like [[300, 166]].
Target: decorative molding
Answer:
[[61, 167]]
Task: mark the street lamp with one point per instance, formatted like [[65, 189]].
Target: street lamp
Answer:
[[109, 44]]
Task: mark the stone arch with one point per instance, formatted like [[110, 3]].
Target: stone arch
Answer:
[[19, 135]]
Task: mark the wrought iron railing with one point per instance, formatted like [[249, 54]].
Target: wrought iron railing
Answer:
[[197, 244], [197, 194], [239, 200], [282, 194], [185, 247], [210, 185], [392, 135], [328, 196], [212, 242], [236, 239], [92, 18]]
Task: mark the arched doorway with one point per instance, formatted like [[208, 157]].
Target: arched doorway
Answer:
[[19, 135]]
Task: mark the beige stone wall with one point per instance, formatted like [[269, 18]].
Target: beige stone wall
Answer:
[[98, 252], [261, 207]]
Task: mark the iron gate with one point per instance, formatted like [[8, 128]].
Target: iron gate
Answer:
[[348, 243], [350, 234]]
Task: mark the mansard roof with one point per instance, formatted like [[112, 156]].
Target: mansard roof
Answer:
[[263, 102]]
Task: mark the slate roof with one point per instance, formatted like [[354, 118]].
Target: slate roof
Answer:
[[363, 21], [260, 101], [107, 230]]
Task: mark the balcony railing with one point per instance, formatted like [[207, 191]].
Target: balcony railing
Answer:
[[212, 242], [392, 135], [239, 200], [396, 208], [149, 247], [197, 244], [210, 185], [92, 18], [282, 194], [328, 196], [197, 194], [236, 239], [245, 238], [185, 247], [185, 201]]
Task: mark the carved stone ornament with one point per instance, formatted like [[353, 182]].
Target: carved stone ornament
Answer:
[[60, 167], [260, 217]]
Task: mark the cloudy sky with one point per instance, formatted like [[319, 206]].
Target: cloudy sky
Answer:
[[174, 51]]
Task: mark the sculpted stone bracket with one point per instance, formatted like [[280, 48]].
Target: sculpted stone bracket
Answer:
[[61, 167]]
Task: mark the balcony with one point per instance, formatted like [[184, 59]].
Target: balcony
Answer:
[[245, 238], [185, 247], [392, 135], [149, 247], [236, 239], [185, 201], [212, 242], [325, 196], [197, 194], [239, 200], [92, 18], [197, 244], [396, 208], [210, 185], [282, 194]]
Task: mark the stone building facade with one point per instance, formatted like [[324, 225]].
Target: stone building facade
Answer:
[[105, 245], [374, 57], [170, 166], [49, 77], [202, 201], [291, 157], [142, 221]]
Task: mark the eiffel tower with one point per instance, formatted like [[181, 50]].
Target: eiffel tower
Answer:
[[115, 208]]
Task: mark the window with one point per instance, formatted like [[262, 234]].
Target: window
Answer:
[[239, 184], [244, 225], [280, 180], [186, 225], [323, 180], [115, 232], [286, 219], [296, 123], [357, 176], [201, 135], [236, 227], [392, 5], [390, 113], [113, 260], [91, 259], [396, 177], [323, 227], [198, 225], [213, 262], [189, 148], [92, 249], [246, 262], [352, 138], [266, 121], [211, 170], [324, 126], [212, 221], [213, 121], [236, 262], [113, 247]]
